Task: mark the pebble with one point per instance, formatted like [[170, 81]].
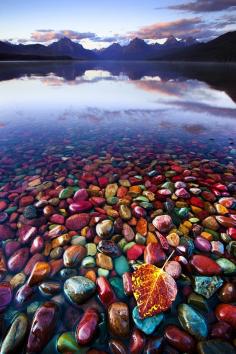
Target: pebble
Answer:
[[77, 221], [105, 229], [146, 325], [73, 255], [118, 319], [78, 289], [15, 335], [87, 326], [43, 326], [192, 321], [5, 295], [205, 265], [226, 313], [121, 265], [163, 223], [180, 339]]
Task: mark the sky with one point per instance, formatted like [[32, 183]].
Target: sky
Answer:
[[98, 23]]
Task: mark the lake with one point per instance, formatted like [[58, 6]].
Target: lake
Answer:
[[105, 166]]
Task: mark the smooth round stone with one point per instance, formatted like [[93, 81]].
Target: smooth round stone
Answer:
[[18, 260], [26, 234], [198, 302], [128, 232], [221, 330], [11, 246], [227, 293], [117, 347], [135, 251], [202, 244], [226, 313], [40, 272], [104, 261], [137, 342], [226, 265], [17, 280], [56, 253], [78, 240], [121, 265], [66, 193], [109, 248], [192, 321], [86, 329], [226, 221], [173, 239], [91, 249], [179, 339], [117, 286], [118, 319], [66, 343], [80, 206], [77, 221], [182, 193], [211, 223], [15, 335], [146, 325], [5, 295], [125, 212], [205, 265], [73, 255], [43, 326], [105, 291], [104, 229], [78, 289], [111, 190], [88, 262], [103, 272], [174, 269], [215, 346], [66, 273], [30, 212], [24, 294], [49, 288], [81, 194], [163, 223]]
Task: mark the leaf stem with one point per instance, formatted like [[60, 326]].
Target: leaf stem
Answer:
[[168, 259]]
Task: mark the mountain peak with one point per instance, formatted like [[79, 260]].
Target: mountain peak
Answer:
[[171, 40]]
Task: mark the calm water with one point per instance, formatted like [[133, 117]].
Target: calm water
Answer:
[[69, 124]]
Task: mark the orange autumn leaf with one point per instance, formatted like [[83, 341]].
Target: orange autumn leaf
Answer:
[[153, 289]]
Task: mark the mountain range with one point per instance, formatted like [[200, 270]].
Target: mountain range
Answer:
[[222, 48]]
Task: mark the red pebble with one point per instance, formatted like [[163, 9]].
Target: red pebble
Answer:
[[226, 313], [87, 326], [135, 252]]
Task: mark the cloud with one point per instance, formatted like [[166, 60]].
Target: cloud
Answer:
[[182, 28], [205, 5], [44, 35]]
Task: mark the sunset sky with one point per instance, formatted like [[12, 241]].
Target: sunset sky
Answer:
[[98, 23]]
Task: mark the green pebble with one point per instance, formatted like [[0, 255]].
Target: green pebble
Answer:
[[91, 249], [141, 240], [122, 243], [112, 200], [10, 210], [121, 265], [117, 285], [88, 262], [78, 240], [141, 198], [66, 193], [128, 246], [103, 272], [67, 343], [146, 205], [226, 265], [194, 220]]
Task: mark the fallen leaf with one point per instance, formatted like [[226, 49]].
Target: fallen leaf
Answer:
[[153, 289]]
